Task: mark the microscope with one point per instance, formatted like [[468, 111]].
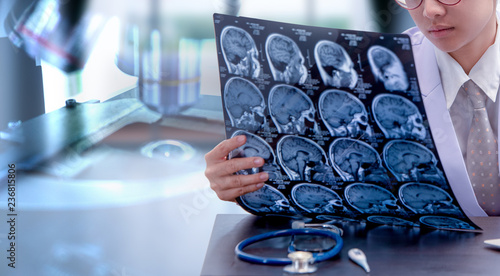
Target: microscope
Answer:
[[160, 44]]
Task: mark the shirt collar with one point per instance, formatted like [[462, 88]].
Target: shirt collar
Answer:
[[485, 73]]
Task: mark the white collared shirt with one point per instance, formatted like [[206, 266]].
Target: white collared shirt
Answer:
[[485, 73]]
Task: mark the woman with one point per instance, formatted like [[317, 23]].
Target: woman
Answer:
[[454, 41]]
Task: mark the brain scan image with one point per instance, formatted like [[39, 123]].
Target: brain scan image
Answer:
[[314, 198], [239, 52], [445, 223], [355, 160], [398, 117], [339, 120], [256, 146], [343, 114], [244, 104], [371, 199], [386, 220], [334, 64], [387, 68], [292, 111], [285, 60], [427, 199], [410, 161], [304, 160], [267, 200]]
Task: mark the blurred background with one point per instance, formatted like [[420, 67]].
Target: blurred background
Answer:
[[107, 109]]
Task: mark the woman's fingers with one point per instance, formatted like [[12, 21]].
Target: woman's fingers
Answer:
[[222, 175], [238, 185], [219, 153], [221, 172], [234, 165]]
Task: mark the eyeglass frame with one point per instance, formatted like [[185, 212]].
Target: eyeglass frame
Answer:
[[421, 1]]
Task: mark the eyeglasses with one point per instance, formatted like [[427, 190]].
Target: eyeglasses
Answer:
[[413, 4]]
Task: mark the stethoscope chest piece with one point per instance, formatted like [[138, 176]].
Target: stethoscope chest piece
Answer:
[[302, 263]]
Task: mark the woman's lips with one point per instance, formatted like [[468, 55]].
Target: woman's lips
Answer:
[[439, 32]]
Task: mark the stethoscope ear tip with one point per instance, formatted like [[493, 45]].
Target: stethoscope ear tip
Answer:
[[297, 224]]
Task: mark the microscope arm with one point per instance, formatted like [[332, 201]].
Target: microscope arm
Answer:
[[75, 128]]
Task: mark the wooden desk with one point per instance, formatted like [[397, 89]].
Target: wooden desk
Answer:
[[390, 250]]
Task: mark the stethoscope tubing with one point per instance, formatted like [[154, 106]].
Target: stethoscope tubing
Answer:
[[317, 257]]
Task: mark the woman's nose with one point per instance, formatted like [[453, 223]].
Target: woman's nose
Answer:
[[433, 8]]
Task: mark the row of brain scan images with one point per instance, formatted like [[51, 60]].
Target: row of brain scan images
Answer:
[[344, 115], [382, 207], [351, 160], [286, 61]]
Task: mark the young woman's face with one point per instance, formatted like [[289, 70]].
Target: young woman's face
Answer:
[[469, 25]]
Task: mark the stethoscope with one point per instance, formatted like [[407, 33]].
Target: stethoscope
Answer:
[[297, 261]]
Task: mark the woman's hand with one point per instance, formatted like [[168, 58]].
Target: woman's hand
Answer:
[[221, 172]]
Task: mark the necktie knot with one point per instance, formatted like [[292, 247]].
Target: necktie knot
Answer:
[[476, 95]]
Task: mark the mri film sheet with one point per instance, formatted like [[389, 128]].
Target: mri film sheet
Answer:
[[338, 118]]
